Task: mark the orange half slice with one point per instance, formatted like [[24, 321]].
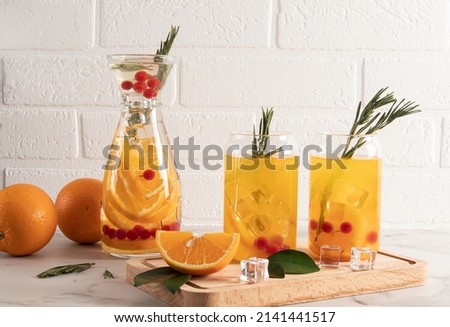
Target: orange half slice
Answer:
[[197, 255]]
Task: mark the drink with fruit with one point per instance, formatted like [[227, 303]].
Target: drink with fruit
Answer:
[[345, 183], [260, 192], [350, 214]]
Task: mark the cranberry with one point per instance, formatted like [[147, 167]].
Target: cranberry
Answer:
[[132, 235], [144, 234], [327, 227], [372, 237], [153, 83], [166, 227], [277, 239], [149, 174], [139, 87], [105, 229], [121, 234], [138, 228], [111, 233], [141, 76], [272, 248], [346, 227], [150, 93], [313, 224], [127, 85], [153, 232], [175, 225], [260, 243]]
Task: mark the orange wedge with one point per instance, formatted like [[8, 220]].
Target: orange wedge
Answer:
[[197, 255]]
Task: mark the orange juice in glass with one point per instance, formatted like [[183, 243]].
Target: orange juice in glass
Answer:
[[260, 196], [344, 199], [141, 189]]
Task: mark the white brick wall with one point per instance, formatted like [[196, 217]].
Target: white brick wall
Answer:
[[214, 23], [267, 81], [363, 24], [47, 25], [313, 60]]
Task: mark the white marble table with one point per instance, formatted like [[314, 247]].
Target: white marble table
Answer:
[[19, 287]]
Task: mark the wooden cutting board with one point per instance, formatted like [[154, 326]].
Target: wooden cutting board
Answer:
[[224, 288]]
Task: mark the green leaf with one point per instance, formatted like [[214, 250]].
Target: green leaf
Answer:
[[157, 275], [294, 262], [174, 282], [276, 270], [171, 278]]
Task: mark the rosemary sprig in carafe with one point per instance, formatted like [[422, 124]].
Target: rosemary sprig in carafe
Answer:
[[165, 46], [162, 74]]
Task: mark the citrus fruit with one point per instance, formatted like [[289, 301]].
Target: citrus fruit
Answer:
[[197, 255], [28, 219], [133, 195], [78, 205]]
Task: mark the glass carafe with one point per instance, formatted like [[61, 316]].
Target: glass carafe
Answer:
[[344, 194], [141, 189]]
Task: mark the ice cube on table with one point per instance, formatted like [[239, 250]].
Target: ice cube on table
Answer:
[[254, 269], [362, 258], [330, 256]]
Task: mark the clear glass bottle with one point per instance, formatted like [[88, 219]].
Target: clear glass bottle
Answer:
[[344, 194], [141, 189], [260, 194]]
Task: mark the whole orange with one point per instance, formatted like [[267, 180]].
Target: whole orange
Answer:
[[27, 219], [78, 205]]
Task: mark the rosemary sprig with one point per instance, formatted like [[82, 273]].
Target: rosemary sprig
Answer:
[[108, 274], [67, 269], [368, 121], [261, 140], [165, 46]]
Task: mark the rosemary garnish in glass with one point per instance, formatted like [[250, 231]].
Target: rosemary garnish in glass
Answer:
[[261, 141], [368, 121]]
